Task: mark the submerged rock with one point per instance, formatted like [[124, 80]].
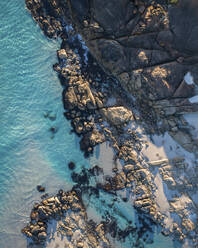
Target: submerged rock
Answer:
[[71, 165], [40, 188], [53, 130]]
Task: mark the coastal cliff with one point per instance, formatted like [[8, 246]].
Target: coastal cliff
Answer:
[[126, 65]]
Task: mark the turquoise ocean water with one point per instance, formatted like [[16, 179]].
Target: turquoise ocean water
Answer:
[[29, 153]]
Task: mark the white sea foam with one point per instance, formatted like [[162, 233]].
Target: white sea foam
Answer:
[[189, 78], [194, 99]]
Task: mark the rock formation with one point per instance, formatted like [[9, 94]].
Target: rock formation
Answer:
[[149, 46], [141, 53], [67, 207]]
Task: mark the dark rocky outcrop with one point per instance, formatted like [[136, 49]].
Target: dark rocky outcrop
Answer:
[[40, 188], [148, 45]]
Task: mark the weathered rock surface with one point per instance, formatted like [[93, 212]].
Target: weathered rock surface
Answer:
[[74, 225], [144, 37], [148, 46], [62, 54], [117, 115]]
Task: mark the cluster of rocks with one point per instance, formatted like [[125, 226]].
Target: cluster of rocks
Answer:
[[140, 182], [90, 182], [144, 45], [84, 95], [79, 101], [68, 209], [180, 178], [85, 99], [48, 15], [72, 222], [177, 174], [81, 98]]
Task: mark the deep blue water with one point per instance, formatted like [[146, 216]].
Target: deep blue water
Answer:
[[29, 153]]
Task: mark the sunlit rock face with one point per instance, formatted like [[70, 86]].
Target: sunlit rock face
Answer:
[[150, 47], [153, 44]]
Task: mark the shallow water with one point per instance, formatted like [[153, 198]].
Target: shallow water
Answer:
[[28, 89], [30, 154]]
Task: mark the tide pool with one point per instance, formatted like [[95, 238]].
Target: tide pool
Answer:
[[29, 153]]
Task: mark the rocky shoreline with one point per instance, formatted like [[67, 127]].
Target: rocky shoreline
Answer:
[[68, 207], [139, 54], [73, 224]]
